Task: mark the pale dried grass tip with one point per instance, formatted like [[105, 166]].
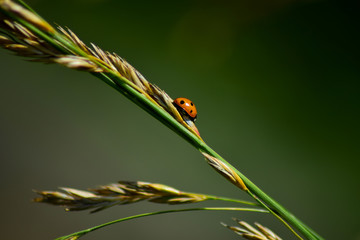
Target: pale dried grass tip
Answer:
[[26, 15], [251, 233], [124, 192], [23, 42], [225, 170]]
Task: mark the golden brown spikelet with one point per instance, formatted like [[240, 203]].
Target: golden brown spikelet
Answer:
[[226, 171], [123, 192], [248, 232], [25, 14]]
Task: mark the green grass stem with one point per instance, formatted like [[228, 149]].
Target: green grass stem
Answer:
[[83, 232]]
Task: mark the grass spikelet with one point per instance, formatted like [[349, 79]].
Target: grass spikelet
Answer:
[[24, 43], [226, 171], [251, 233], [26, 15], [78, 63], [124, 192]]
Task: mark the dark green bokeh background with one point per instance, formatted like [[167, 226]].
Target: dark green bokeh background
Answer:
[[277, 90]]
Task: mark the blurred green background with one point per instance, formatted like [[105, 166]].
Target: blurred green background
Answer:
[[276, 84]]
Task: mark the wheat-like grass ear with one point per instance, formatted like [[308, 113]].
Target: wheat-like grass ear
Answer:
[[94, 60], [123, 192], [25, 33], [251, 233]]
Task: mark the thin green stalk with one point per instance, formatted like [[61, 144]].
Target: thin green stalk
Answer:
[[127, 88], [27, 6], [83, 232], [211, 197], [276, 215], [203, 147]]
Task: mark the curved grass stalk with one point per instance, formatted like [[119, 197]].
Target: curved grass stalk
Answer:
[[79, 234], [68, 51], [122, 193]]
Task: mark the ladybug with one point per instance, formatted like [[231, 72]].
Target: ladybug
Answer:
[[186, 107]]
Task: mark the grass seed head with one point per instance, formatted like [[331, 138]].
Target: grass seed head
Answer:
[[26, 15], [124, 192], [77, 56], [226, 171], [248, 232]]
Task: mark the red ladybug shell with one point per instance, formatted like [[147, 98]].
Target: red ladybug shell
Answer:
[[186, 105]]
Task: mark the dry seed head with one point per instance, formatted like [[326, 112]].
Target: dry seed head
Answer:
[[270, 234], [251, 229], [78, 63], [92, 60], [71, 36], [124, 69], [124, 192], [26, 15], [17, 30], [226, 171], [24, 43], [251, 233]]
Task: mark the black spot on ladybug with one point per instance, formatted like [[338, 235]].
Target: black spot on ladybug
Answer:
[[190, 111], [182, 102], [192, 104]]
